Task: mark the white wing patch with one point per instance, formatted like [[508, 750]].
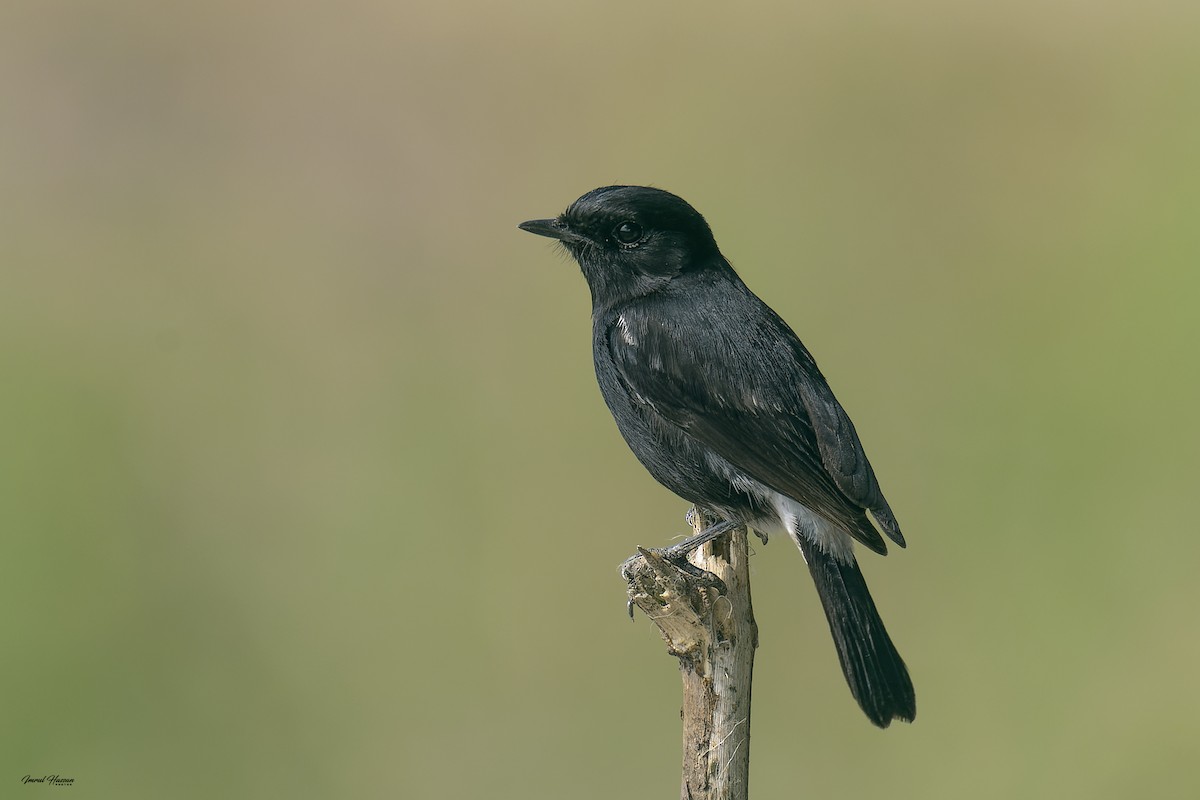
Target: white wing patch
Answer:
[[625, 332]]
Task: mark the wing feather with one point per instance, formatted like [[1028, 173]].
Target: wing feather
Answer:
[[755, 397]]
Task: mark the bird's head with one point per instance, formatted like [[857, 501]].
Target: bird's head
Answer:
[[630, 240]]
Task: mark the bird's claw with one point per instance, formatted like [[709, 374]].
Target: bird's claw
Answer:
[[657, 557]]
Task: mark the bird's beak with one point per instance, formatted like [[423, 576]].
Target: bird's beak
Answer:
[[552, 228]]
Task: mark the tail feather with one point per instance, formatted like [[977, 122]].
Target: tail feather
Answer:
[[877, 676]]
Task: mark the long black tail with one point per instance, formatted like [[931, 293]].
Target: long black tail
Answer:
[[876, 674]]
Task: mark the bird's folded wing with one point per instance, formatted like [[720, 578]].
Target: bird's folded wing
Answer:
[[756, 415], [842, 452]]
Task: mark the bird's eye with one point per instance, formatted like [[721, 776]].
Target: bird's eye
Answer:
[[627, 232]]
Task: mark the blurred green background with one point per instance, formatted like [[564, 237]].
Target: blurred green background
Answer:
[[306, 489]]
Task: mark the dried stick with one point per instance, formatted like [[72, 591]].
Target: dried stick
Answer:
[[706, 618]]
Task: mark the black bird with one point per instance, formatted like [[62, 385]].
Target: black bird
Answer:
[[721, 402]]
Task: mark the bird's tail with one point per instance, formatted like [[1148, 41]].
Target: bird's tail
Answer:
[[877, 676]]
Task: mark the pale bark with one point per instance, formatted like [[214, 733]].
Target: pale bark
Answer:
[[709, 626]]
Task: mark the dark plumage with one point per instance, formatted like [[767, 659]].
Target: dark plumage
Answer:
[[723, 405]]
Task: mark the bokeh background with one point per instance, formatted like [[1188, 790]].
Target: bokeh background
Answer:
[[306, 489]]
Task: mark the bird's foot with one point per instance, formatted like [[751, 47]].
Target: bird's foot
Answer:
[[659, 573], [705, 536]]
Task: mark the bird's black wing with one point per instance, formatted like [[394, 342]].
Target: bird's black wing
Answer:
[[841, 450], [741, 384]]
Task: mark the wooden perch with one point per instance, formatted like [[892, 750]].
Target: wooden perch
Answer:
[[706, 618]]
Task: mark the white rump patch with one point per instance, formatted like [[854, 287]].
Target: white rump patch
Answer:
[[799, 521], [795, 518]]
